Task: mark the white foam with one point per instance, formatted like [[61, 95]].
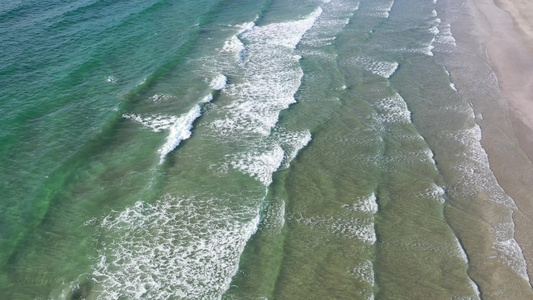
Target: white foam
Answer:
[[267, 77], [340, 9], [461, 250], [344, 225], [445, 35], [274, 217], [234, 44], [287, 34], [319, 53], [207, 98], [429, 49], [335, 16], [364, 272], [365, 204], [475, 288], [155, 123], [247, 116], [174, 248], [425, 48], [509, 249], [434, 29], [384, 69], [180, 130], [266, 157], [219, 82], [428, 155], [453, 87], [471, 283], [318, 42], [436, 192], [292, 143], [160, 97], [447, 72], [259, 164], [380, 10], [393, 110], [476, 177], [270, 78], [476, 170], [246, 26], [112, 79], [362, 229]]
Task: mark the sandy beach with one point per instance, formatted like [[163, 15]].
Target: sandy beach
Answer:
[[522, 15], [511, 54], [506, 30]]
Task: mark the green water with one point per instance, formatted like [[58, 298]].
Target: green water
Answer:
[[246, 150]]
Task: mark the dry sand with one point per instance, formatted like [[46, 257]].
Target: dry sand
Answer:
[[506, 29], [522, 13]]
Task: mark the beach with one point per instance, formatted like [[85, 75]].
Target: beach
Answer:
[[510, 50], [505, 28]]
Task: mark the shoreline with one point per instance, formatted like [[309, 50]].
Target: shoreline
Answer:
[[510, 51], [508, 40]]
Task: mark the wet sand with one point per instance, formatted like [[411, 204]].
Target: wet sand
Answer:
[[510, 51], [506, 30]]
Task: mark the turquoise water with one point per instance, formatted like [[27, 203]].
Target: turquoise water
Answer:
[[245, 150]]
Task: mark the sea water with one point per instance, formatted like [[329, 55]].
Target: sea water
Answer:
[[243, 150]]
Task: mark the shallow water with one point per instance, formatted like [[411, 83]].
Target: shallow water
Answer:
[[275, 149]]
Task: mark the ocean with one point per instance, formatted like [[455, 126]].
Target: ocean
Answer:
[[268, 149]]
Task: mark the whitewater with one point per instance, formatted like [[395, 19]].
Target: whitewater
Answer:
[[260, 149]]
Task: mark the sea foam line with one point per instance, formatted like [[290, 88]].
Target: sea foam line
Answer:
[[393, 110], [364, 204], [219, 82], [259, 164], [167, 249], [343, 225], [286, 34], [365, 273], [475, 172], [180, 128], [269, 75], [270, 156], [381, 10], [464, 257], [292, 142], [270, 78], [335, 16], [445, 35], [384, 69]]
